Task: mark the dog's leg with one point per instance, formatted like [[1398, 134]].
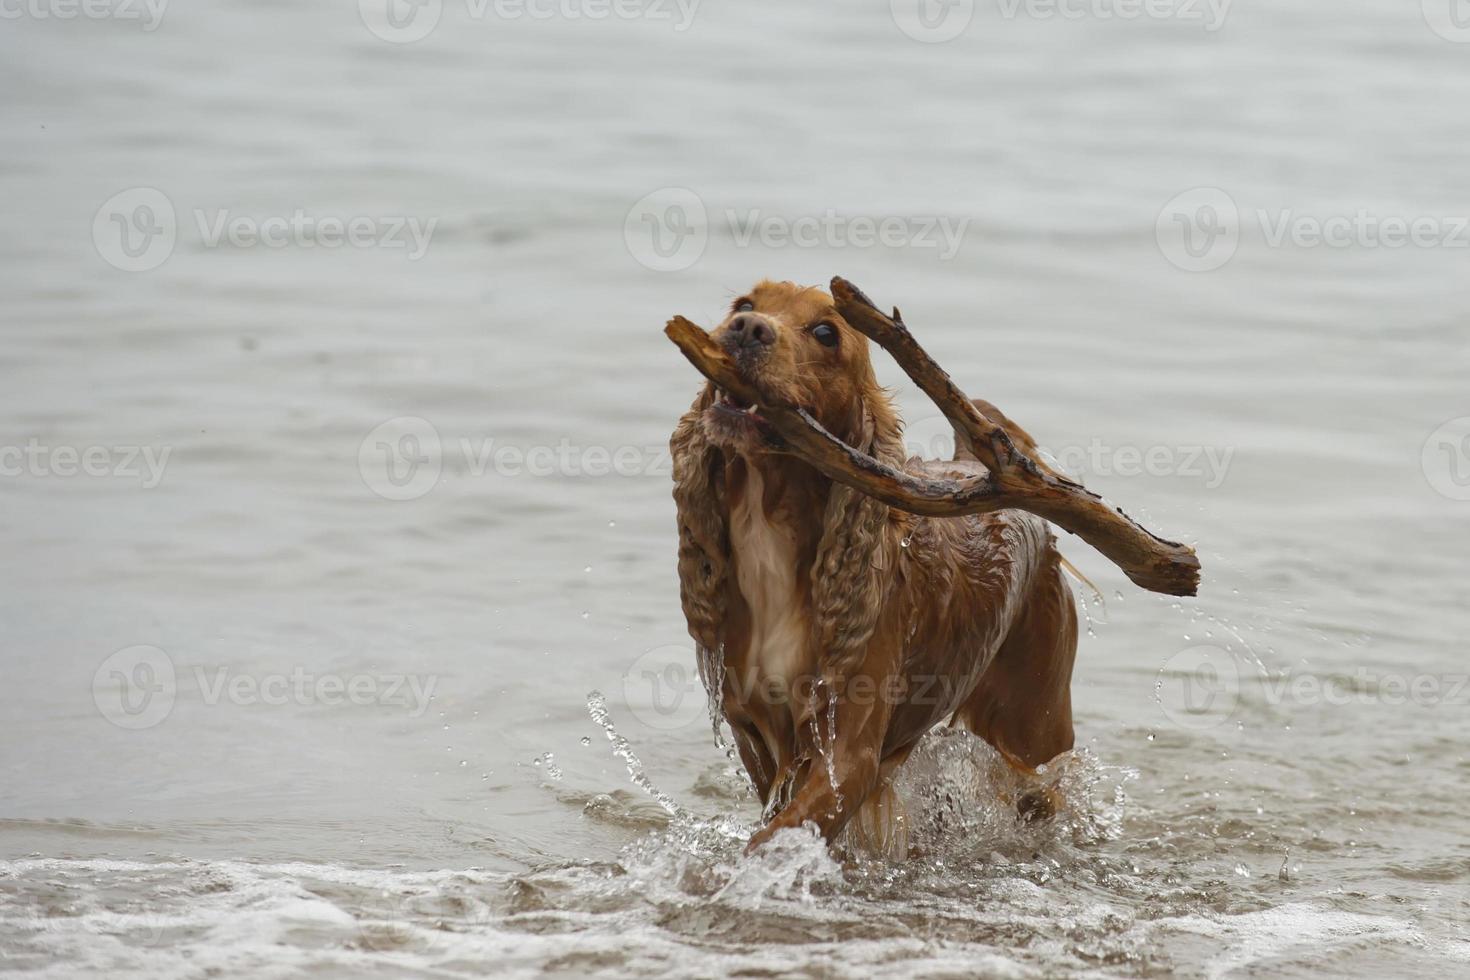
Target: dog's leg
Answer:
[[842, 772], [880, 827], [1023, 703]]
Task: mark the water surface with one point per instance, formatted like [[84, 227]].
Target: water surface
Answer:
[[1260, 789]]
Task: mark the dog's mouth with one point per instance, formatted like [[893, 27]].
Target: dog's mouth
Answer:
[[737, 423], [736, 406]]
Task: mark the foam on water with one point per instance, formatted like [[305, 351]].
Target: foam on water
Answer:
[[986, 894], [674, 904]]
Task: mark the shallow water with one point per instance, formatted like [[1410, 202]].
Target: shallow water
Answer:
[[264, 718]]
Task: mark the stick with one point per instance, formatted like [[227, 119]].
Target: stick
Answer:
[[1015, 480]]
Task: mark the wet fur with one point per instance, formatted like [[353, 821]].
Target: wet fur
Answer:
[[836, 631]]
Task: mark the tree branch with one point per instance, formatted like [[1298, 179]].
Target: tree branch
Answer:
[[1014, 481]]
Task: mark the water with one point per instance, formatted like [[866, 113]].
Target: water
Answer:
[[275, 709]]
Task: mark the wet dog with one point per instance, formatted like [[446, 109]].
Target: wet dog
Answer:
[[833, 630]]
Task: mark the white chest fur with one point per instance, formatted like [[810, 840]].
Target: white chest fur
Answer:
[[765, 563]]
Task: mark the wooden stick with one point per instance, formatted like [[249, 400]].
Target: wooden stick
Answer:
[[1150, 561], [1015, 480]]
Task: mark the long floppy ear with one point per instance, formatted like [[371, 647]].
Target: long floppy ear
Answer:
[[858, 552], [704, 536]]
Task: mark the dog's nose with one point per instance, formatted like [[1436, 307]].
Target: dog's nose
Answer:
[[753, 330]]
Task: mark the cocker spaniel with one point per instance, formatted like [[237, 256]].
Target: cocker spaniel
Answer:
[[834, 630]]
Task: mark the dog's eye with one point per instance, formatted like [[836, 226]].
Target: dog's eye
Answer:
[[744, 306], [826, 334]]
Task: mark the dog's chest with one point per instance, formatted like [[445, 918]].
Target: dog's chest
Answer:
[[765, 566]]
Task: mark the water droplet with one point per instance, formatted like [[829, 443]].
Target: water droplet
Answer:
[[586, 740], [612, 523], [586, 614], [587, 569], [553, 771]]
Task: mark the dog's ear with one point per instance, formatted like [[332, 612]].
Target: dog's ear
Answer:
[[704, 536], [858, 553]]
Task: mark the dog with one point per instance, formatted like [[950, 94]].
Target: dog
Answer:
[[834, 631]]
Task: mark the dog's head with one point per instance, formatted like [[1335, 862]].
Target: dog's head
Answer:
[[790, 342]]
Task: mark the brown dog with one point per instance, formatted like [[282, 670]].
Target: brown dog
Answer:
[[835, 630]]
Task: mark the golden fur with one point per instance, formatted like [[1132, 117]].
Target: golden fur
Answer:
[[835, 630]]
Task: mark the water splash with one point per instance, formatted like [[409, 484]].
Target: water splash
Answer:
[[546, 762], [712, 673], [961, 795], [597, 708], [831, 753]]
